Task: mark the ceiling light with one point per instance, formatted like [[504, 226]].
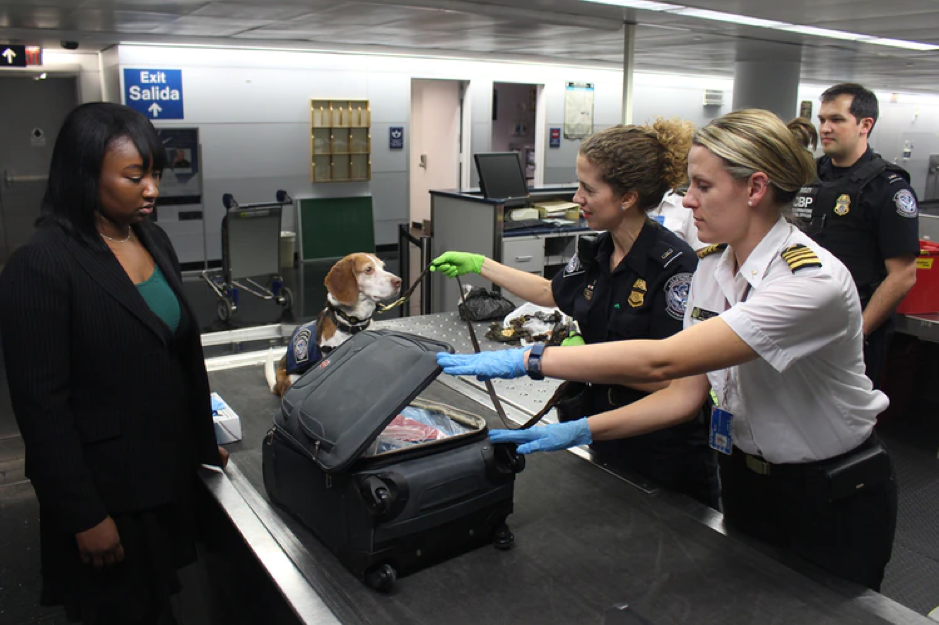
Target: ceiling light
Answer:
[[646, 5], [719, 16], [823, 32], [900, 43]]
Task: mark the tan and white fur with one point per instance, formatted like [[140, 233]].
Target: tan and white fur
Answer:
[[354, 286]]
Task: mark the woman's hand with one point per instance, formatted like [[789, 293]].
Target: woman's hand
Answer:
[[100, 546], [452, 264], [223, 456], [551, 437], [506, 363]]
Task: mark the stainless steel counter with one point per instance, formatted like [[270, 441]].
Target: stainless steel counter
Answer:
[[586, 540], [925, 327]]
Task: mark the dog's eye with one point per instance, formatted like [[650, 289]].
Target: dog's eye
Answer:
[[369, 269]]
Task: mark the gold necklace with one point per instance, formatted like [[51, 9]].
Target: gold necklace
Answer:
[[124, 240]]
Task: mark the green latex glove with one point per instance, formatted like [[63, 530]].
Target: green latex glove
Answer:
[[575, 339], [453, 264]]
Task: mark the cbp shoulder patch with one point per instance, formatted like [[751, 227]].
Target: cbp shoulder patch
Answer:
[[676, 294], [301, 345], [710, 249], [573, 267], [905, 202], [799, 257]]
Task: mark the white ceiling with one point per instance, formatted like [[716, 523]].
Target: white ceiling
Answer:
[[552, 30]]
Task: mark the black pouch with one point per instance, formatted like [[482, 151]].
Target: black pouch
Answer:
[[575, 403], [856, 471]]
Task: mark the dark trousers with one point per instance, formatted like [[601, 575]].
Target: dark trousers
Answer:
[[875, 350], [850, 536], [677, 458]]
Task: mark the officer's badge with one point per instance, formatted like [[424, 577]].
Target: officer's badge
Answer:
[[843, 205], [799, 257], [301, 345], [638, 296], [574, 267], [676, 294], [588, 292], [905, 202]]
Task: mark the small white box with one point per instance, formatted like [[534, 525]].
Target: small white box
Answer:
[[227, 421]]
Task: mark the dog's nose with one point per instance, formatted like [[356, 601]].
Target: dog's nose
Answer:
[[396, 282]]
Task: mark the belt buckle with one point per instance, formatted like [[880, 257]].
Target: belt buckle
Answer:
[[758, 466]]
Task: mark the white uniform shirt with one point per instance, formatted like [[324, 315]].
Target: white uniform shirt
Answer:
[[671, 214], [806, 398]]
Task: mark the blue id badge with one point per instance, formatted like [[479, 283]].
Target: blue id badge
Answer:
[[660, 219], [721, 438]]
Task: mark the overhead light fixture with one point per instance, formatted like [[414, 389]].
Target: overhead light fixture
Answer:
[[745, 20], [646, 5], [720, 16], [901, 43], [823, 32]]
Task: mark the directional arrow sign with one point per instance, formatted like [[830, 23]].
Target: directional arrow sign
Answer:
[[13, 56], [157, 93]]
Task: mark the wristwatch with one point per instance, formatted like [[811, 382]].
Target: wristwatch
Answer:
[[534, 362]]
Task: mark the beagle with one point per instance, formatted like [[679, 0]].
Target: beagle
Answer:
[[354, 286]]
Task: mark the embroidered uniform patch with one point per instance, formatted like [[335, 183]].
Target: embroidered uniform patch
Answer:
[[574, 267], [711, 249], [700, 314], [301, 345], [905, 202], [799, 257], [843, 205], [676, 294]]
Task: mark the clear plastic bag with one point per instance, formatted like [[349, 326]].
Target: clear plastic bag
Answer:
[[416, 426]]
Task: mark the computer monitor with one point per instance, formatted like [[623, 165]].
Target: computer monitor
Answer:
[[501, 175]]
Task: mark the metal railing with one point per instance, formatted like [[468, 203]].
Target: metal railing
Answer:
[[423, 243]]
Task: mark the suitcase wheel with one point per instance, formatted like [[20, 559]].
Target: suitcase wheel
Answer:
[[382, 577], [503, 538]]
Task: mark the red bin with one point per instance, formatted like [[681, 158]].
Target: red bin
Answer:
[[924, 296]]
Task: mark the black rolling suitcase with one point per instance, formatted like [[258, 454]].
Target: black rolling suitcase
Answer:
[[351, 455]]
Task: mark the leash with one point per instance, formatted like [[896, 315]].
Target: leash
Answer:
[[383, 308], [552, 402], [492, 390]]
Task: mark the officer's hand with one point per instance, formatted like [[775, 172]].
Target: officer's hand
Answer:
[[452, 264], [100, 546], [550, 437], [508, 364], [573, 340]]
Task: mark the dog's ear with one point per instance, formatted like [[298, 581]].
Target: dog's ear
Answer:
[[342, 283]]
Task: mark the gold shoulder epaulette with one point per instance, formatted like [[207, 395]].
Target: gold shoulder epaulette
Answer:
[[799, 256], [710, 249]]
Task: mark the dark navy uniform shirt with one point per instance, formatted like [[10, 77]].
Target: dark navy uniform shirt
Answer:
[[643, 298], [864, 224]]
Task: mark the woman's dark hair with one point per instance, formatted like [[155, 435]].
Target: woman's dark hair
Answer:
[[71, 198]]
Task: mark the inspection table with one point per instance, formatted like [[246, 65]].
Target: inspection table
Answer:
[[587, 541]]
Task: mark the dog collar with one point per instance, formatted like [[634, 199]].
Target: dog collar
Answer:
[[348, 323]]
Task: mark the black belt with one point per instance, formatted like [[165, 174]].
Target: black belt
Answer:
[[760, 465]]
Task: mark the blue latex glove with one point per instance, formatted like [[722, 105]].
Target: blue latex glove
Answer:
[[217, 403], [551, 437], [507, 363]]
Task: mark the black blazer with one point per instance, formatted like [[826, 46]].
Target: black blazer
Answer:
[[113, 407]]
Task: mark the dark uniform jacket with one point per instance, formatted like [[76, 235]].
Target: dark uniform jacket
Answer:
[[113, 407], [643, 298], [863, 214]]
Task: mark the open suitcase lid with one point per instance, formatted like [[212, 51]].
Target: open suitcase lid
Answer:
[[342, 404]]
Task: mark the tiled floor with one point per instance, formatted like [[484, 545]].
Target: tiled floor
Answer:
[[912, 577]]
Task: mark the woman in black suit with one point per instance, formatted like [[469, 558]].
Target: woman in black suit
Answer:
[[106, 375]]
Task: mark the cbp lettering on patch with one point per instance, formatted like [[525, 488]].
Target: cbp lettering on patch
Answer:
[[573, 267], [301, 345], [676, 294], [905, 202]]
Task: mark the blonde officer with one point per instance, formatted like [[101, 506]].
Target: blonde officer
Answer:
[[773, 324]]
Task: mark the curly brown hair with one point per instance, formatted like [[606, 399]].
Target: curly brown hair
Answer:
[[648, 159]]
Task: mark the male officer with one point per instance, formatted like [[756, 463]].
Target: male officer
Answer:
[[863, 210]]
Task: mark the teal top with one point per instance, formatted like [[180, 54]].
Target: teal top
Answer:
[[160, 298]]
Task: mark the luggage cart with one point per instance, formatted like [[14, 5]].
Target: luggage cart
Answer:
[[250, 248]]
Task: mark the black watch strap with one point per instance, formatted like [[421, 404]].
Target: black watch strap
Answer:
[[534, 362]]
